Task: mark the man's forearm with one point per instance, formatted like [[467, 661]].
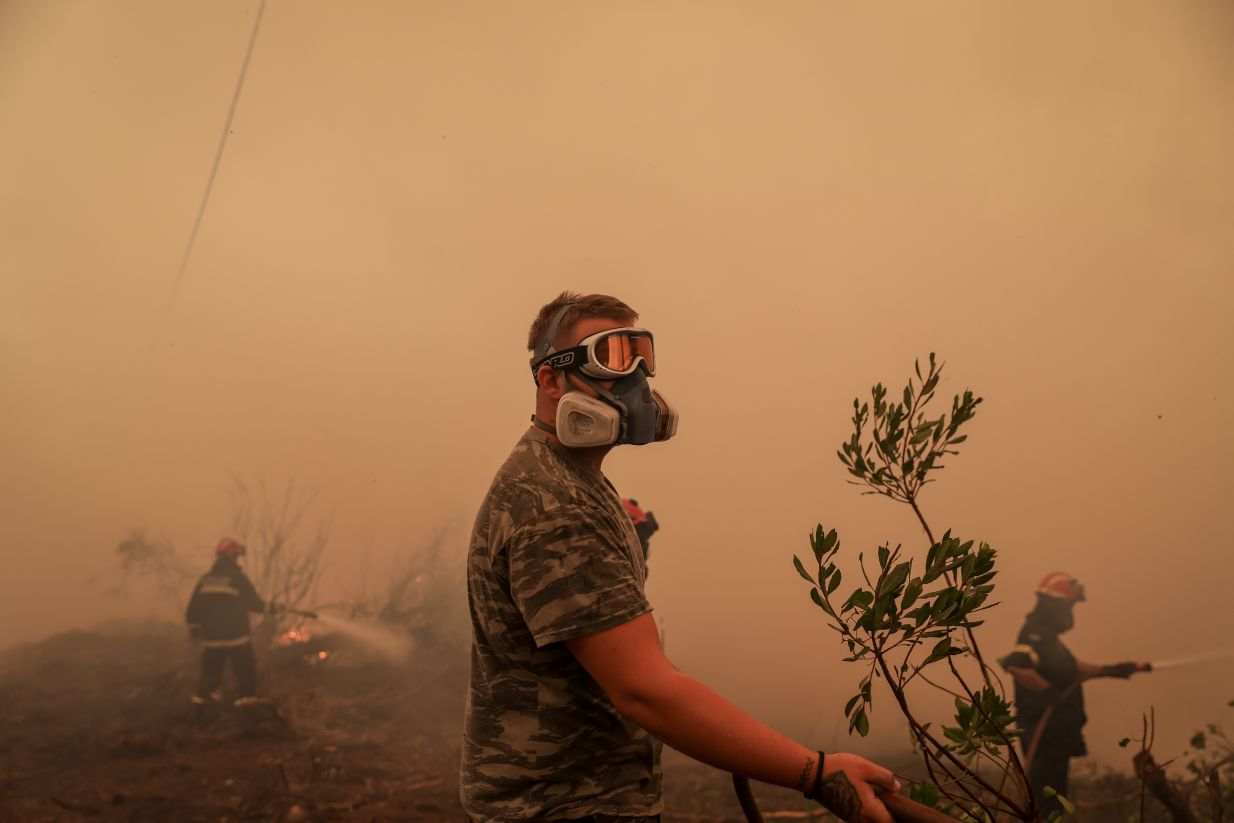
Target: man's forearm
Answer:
[[1029, 678], [629, 664], [700, 723]]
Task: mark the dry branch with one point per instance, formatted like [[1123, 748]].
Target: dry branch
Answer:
[[1212, 782], [1156, 782]]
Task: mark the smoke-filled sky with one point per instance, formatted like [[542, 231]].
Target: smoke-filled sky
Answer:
[[800, 198]]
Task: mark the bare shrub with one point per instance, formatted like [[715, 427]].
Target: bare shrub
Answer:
[[422, 593], [1208, 795], [158, 563], [284, 558], [284, 551]]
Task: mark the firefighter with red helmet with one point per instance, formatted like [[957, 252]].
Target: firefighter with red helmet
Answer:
[[1048, 696], [218, 616]]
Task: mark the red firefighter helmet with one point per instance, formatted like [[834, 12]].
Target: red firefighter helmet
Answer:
[[1062, 586], [229, 547], [637, 515]]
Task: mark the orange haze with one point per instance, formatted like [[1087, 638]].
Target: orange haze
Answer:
[[800, 198]]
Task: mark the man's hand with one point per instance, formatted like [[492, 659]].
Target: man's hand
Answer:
[[1125, 670], [849, 789]]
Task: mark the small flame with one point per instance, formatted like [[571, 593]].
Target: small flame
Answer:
[[296, 635], [322, 655]]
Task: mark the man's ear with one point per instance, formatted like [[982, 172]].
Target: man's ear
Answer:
[[552, 382]]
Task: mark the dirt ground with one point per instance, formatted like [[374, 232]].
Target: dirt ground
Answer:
[[98, 726]]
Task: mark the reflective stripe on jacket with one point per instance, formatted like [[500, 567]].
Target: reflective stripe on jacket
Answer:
[[221, 603]]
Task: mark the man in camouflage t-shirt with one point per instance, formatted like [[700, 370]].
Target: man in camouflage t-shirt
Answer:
[[553, 556], [570, 690]]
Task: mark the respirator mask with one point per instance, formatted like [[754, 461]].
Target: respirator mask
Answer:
[[630, 412]]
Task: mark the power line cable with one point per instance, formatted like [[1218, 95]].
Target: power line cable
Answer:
[[218, 159]]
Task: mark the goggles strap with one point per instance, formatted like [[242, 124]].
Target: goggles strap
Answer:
[[546, 342]]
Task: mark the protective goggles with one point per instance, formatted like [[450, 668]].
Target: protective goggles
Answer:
[[606, 355]]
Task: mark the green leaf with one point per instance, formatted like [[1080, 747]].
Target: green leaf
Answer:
[[883, 554], [860, 598], [1123, 743], [932, 555], [834, 583], [896, 577], [801, 570], [941, 649], [852, 701], [821, 603], [862, 723], [911, 593], [927, 794]]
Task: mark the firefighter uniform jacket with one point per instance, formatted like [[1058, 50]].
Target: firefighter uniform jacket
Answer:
[[1038, 647], [219, 607]]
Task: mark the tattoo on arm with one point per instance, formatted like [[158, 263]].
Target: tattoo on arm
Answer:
[[803, 784], [839, 795]]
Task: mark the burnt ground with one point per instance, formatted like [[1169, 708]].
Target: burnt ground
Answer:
[[97, 726]]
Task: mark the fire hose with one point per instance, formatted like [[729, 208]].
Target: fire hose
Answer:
[[902, 809], [277, 609], [1031, 751]]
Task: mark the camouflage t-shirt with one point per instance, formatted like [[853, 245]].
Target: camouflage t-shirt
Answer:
[[553, 556]]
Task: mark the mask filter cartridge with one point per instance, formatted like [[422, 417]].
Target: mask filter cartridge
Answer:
[[584, 421]]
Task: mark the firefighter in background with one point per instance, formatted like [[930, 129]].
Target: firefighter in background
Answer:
[[218, 616], [1047, 688], [645, 525]]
